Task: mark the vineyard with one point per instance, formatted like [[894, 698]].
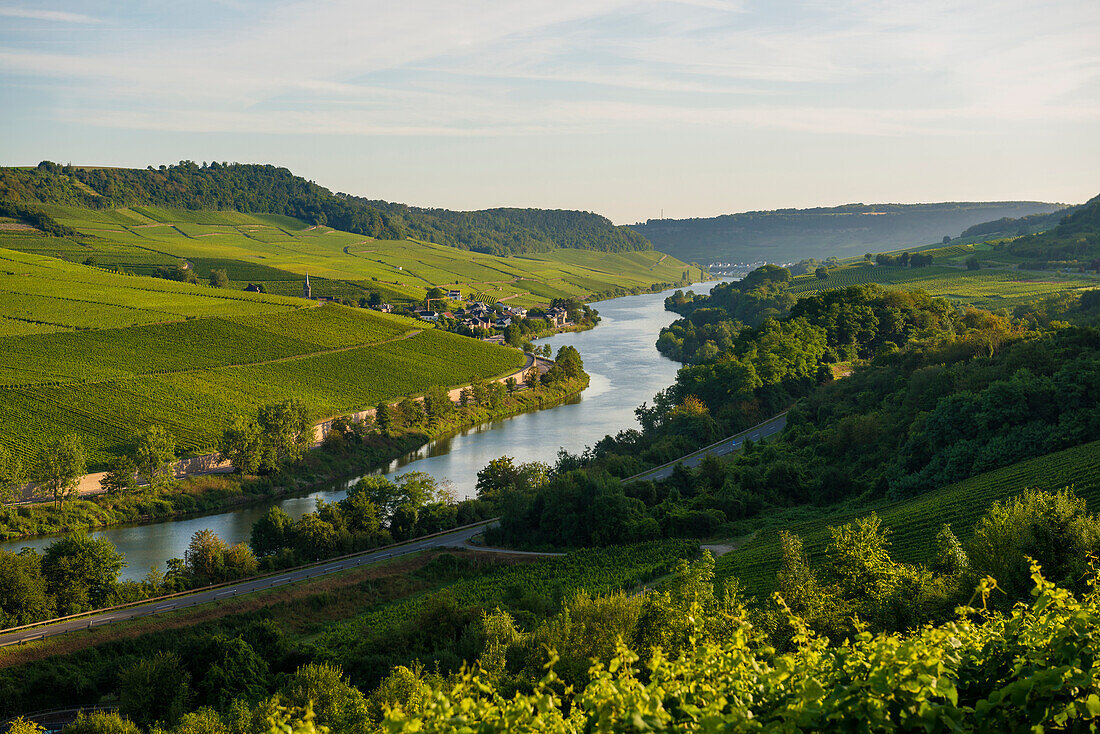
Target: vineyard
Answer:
[[334, 359], [277, 252], [992, 289], [912, 523]]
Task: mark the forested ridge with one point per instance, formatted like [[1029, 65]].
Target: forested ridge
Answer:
[[788, 235], [256, 188]]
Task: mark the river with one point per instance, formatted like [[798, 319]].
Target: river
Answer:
[[620, 357]]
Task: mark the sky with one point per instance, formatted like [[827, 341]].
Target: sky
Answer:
[[633, 110]]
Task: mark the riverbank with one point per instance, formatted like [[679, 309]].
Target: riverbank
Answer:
[[329, 463]]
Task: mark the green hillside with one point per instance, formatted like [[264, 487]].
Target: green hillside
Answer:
[[278, 252], [912, 523], [272, 190], [104, 355], [989, 288]]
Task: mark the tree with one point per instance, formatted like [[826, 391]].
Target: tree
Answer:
[[219, 278], [155, 457], [822, 272], [946, 238], [338, 704], [435, 293], [511, 385], [204, 558], [154, 689], [121, 475], [411, 413], [285, 433], [23, 591], [81, 572], [241, 446], [972, 263], [272, 532], [11, 475], [59, 469], [498, 476], [383, 418], [531, 376]]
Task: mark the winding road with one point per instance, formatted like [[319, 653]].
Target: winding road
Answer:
[[458, 538], [449, 539], [721, 448]]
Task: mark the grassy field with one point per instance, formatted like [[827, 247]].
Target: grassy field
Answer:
[[912, 523], [278, 252], [990, 288], [104, 355]]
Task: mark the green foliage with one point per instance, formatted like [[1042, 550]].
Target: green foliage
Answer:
[[954, 676], [81, 572], [101, 722], [154, 689], [209, 560], [155, 457], [59, 468]]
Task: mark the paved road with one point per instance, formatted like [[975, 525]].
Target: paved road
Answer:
[[452, 539], [722, 448]]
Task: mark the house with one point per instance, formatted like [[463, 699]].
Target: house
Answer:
[[454, 295], [557, 316], [502, 322], [427, 315], [495, 339], [385, 308], [517, 312]]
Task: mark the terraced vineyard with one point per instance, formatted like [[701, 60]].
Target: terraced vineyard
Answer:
[[912, 523], [992, 289]]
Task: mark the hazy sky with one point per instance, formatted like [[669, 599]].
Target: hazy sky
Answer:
[[698, 107]]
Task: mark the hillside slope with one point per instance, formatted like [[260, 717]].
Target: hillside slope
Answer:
[[278, 252], [268, 189], [788, 235]]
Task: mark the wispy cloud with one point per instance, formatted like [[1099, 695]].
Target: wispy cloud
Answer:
[[56, 16], [526, 67]]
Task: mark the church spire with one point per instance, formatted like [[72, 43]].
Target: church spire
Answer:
[[307, 292]]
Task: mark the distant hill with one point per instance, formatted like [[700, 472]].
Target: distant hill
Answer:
[[788, 235], [1073, 243], [267, 189]]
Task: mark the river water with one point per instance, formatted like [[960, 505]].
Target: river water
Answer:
[[620, 357]]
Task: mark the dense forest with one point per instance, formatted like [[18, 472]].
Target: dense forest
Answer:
[[788, 235], [268, 189], [938, 395]]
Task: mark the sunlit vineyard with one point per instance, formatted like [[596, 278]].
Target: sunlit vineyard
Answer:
[[991, 289], [191, 377], [912, 523]]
